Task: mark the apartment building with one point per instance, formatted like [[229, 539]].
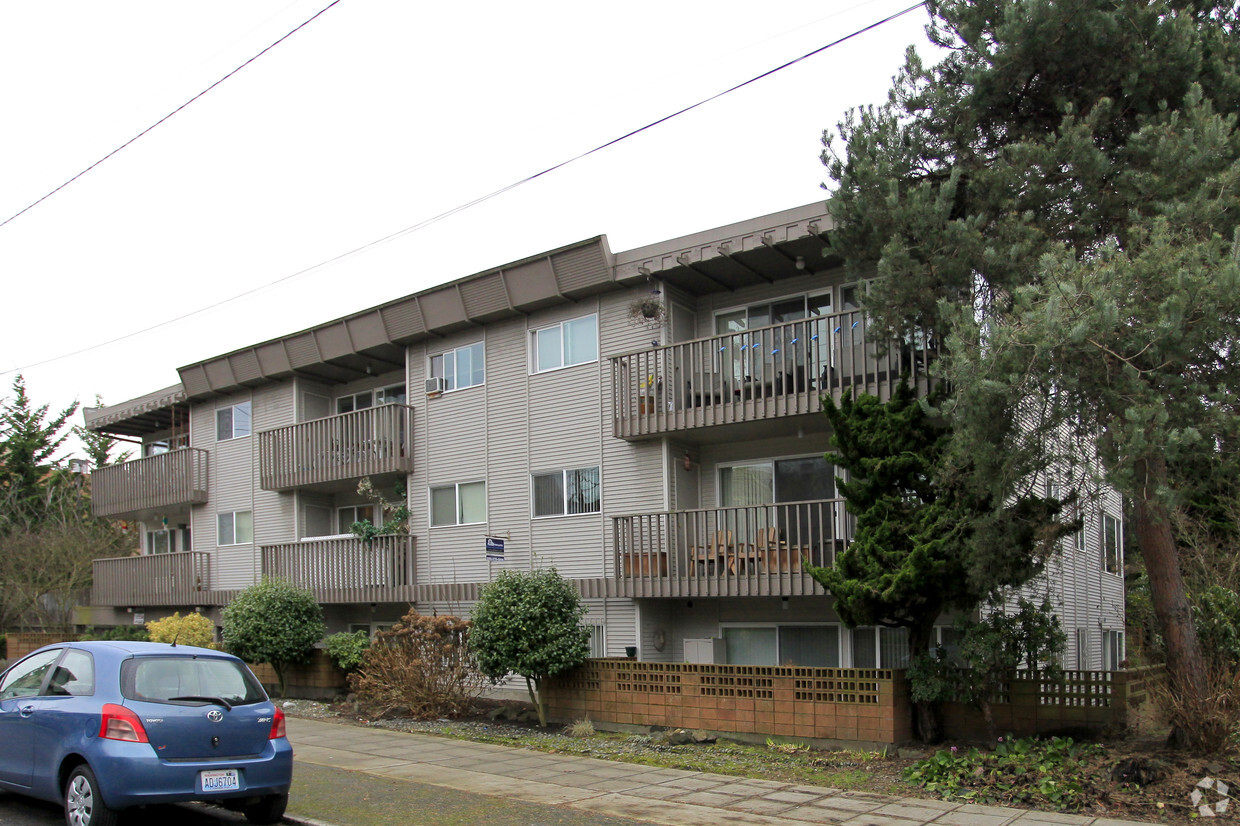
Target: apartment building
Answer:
[[647, 422]]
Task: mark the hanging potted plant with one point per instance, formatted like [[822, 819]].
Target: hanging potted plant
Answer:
[[648, 310]]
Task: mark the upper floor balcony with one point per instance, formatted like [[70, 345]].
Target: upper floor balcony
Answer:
[[177, 579], [346, 569], [155, 484], [756, 550], [334, 449], [759, 375]]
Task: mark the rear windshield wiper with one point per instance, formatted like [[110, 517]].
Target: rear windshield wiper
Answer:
[[217, 700]]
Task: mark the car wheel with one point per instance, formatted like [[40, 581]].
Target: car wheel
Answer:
[[266, 811], [84, 805]]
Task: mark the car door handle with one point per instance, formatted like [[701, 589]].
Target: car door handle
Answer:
[[26, 711]]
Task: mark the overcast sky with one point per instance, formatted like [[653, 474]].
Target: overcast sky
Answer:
[[371, 119]]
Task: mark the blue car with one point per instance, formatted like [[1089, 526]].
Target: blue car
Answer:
[[105, 726]]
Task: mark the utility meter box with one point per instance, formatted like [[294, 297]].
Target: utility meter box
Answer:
[[707, 650]]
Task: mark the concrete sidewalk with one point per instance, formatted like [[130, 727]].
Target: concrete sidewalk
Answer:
[[627, 790]]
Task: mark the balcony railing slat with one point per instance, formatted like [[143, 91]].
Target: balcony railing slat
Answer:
[[153, 579], [739, 551], [336, 448], [346, 569], [174, 479], [758, 374]]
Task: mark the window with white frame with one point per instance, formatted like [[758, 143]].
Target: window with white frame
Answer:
[[346, 516], [235, 528], [460, 368], [1112, 650], [598, 641], [461, 504], [393, 394], [880, 647], [565, 344], [1112, 545], [567, 492], [810, 646], [232, 422], [1082, 649]]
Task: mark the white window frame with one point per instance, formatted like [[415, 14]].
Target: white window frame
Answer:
[[879, 631], [838, 627], [1112, 638], [598, 639], [536, 367], [478, 350], [456, 488], [564, 489], [1106, 548], [232, 517], [232, 421], [354, 508]]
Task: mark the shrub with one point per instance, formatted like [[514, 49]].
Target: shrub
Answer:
[[422, 664], [191, 629], [529, 624], [273, 622], [347, 648], [131, 633]]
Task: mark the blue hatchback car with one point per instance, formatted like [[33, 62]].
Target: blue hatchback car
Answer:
[[104, 726]]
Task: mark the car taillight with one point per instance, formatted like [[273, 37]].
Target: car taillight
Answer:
[[277, 725], [119, 723]]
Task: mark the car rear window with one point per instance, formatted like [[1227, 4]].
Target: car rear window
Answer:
[[167, 679]]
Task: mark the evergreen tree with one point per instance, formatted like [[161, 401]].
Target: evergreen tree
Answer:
[[1073, 166], [29, 444], [925, 541]]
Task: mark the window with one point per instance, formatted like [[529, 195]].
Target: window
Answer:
[[369, 398], [1112, 557], [562, 345], [164, 445], [598, 645], [460, 368], [346, 516], [810, 646], [880, 648], [235, 528], [566, 492], [74, 676], [1112, 650], [1082, 649], [464, 504], [232, 422]]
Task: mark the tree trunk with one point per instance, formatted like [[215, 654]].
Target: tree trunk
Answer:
[[926, 719], [536, 697], [1185, 663]]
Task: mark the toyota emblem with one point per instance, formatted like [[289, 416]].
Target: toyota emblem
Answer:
[[215, 715]]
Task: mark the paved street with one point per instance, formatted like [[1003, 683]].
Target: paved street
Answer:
[[567, 787]]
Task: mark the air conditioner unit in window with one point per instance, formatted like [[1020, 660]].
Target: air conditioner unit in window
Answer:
[[436, 385]]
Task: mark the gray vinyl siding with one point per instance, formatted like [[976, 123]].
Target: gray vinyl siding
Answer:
[[275, 513], [232, 486], [619, 620]]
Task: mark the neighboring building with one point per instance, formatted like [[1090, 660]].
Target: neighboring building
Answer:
[[647, 422]]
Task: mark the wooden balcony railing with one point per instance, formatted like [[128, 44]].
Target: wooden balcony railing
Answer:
[[757, 374], [155, 579], [170, 480], [346, 569], [366, 442], [745, 551]]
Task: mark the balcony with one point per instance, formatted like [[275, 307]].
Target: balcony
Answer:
[[149, 486], [759, 550], [346, 569], [177, 579], [763, 374], [337, 449]]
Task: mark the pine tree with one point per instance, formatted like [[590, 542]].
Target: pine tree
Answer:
[[29, 444], [1074, 167]]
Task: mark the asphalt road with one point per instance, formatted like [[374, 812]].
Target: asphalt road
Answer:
[[22, 811]]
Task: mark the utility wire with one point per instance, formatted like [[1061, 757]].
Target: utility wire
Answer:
[[168, 116], [448, 213]]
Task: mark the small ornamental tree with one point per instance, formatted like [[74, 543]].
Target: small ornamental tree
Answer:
[[273, 622], [191, 629], [529, 624]]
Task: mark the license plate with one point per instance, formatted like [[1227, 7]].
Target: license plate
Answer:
[[220, 780]]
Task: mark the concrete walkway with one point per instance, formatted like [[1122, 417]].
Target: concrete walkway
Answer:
[[628, 790]]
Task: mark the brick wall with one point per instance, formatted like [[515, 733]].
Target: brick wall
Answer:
[[21, 644], [831, 704], [319, 679], [834, 704]]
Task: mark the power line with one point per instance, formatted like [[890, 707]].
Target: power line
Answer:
[[454, 210], [166, 117]]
